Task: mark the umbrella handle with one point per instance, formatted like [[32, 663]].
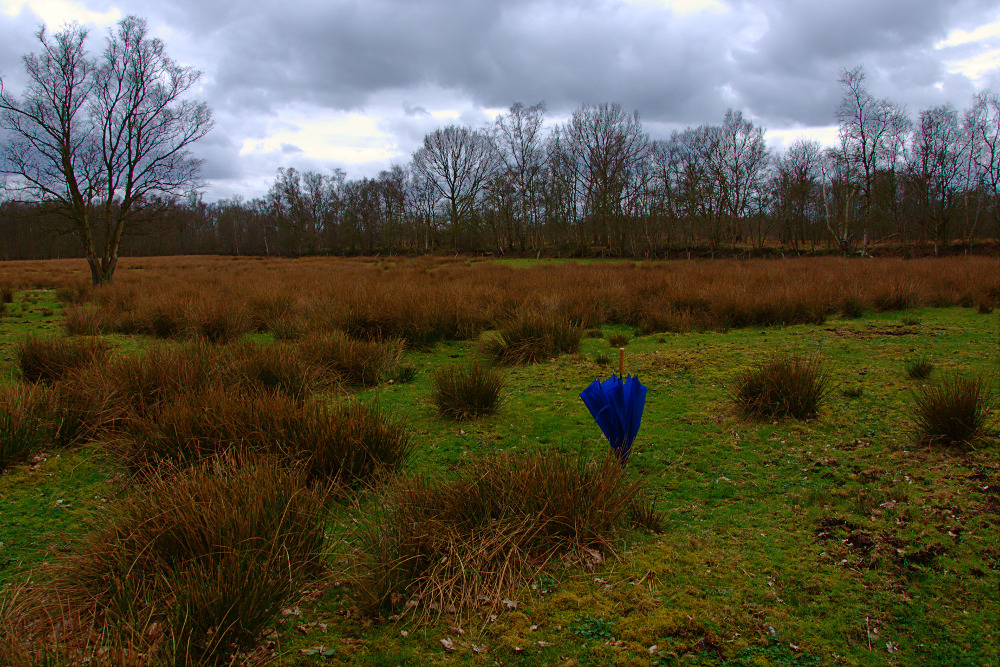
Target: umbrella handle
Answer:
[[621, 363]]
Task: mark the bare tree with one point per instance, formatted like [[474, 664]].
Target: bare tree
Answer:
[[872, 135], [936, 169], [982, 125], [796, 185], [458, 160], [608, 144], [518, 139], [103, 141], [740, 163]]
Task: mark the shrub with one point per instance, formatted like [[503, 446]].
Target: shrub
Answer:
[[783, 387], [952, 412], [531, 336], [364, 363], [22, 412], [50, 359], [502, 519], [6, 293], [919, 369], [467, 391], [618, 340], [234, 541]]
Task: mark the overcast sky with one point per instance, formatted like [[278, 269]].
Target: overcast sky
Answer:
[[356, 84]]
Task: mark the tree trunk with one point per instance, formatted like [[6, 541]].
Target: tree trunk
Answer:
[[102, 269]]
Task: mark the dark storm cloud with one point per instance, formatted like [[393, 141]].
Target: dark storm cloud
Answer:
[[682, 68], [407, 61]]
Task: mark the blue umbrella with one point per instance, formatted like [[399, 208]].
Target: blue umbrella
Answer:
[[617, 409]]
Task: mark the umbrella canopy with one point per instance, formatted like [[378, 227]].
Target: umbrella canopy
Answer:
[[617, 409]]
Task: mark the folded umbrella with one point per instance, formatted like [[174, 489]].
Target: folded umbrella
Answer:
[[617, 409]]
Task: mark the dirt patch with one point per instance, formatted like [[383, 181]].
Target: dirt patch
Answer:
[[877, 331], [846, 542]]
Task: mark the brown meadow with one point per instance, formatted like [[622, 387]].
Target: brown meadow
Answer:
[[424, 300]]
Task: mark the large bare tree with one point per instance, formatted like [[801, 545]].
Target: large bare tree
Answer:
[[520, 147], [608, 144], [459, 161], [102, 141]]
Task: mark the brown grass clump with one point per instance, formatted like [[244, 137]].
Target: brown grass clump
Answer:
[[278, 368], [82, 320], [467, 391], [362, 363], [456, 545], [50, 359], [349, 444], [782, 387], [618, 340], [531, 336], [192, 568], [952, 412], [216, 321], [23, 422], [919, 369]]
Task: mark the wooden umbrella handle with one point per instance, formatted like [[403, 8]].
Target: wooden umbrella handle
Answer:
[[621, 363]]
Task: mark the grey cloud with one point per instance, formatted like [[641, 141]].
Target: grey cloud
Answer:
[[415, 110], [778, 60]]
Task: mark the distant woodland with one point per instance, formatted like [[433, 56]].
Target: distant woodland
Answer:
[[598, 185]]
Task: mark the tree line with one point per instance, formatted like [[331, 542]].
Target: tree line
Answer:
[[596, 184]]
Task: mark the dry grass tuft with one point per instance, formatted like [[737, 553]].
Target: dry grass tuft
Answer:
[[461, 544], [191, 569], [50, 359], [348, 444], [531, 336], [783, 387], [467, 391], [952, 412], [24, 410], [362, 363], [919, 369]]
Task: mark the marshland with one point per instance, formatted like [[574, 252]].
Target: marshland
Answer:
[[385, 461]]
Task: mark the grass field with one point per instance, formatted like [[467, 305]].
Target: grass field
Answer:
[[841, 540]]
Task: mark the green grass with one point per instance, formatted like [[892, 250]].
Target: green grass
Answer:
[[835, 540]]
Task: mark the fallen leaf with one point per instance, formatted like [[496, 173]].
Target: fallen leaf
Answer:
[[448, 644], [457, 631], [476, 648], [545, 644], [652, 649], [403, 633], [510, 604]]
